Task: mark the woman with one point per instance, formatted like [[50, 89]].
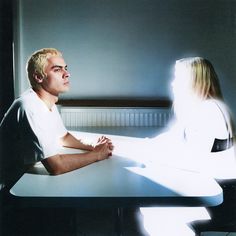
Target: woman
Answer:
[[202, 135], [203, 116], [197, 94], [200, 139]]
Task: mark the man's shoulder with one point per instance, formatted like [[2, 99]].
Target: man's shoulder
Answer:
[[28, 98], [24, 103]]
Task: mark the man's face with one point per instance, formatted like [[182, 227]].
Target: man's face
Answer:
[[57, 76]]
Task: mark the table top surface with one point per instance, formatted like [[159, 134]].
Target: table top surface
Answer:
[[122, 179]]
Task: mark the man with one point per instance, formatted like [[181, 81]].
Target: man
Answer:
[[32, 129]]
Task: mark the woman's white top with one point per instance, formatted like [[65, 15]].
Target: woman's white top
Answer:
[[188, 144]]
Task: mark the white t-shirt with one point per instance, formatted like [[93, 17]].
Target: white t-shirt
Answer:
[[31, 129]]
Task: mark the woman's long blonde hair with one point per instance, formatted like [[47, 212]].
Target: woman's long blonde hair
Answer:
[[204, 80], [195, 81]]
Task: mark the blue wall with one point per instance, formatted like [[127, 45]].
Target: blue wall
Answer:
[[127, 48]]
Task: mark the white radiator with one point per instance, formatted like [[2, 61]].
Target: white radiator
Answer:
[[115, 117]]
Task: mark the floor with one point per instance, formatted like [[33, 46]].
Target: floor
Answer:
[[66, 222], [218, 234], [71, 222]]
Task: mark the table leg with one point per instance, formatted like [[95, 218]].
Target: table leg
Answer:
[[119, 221]]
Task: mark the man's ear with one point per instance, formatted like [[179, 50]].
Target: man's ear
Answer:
[[38, 78]]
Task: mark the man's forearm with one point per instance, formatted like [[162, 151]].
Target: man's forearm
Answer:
[[70, 141], [63, 163]]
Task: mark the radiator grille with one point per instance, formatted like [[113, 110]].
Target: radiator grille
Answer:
[[114, 117]]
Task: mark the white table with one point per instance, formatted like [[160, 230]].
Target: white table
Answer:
[[122, 180]]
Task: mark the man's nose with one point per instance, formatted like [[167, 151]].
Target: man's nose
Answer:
[[66, 74]]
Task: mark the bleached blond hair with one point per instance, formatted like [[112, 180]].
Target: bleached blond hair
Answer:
[[37, 62]]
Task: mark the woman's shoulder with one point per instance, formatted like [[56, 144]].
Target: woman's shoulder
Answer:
[[216, 114], [214, 107]]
